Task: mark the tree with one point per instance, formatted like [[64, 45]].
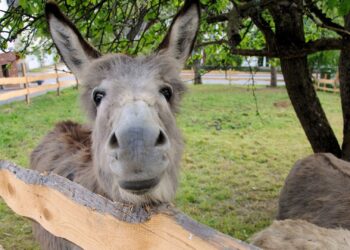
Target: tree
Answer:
[[284, 25]]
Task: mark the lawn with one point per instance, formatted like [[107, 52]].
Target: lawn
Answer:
[[234, 164]]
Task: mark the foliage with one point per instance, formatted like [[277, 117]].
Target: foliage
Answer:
[[340, 7], [324, 62], [109, 25], [234, 163]]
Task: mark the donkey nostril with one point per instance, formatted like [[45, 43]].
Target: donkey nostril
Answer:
[[113, 142], [161, 140]]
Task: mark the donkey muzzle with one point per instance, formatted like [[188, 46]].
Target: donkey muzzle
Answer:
[[139, 146], [139, 187]]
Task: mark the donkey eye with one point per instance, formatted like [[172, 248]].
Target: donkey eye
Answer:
[[97, 96], [167, 92]]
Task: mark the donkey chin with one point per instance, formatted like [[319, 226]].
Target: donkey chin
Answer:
[[163, 191]]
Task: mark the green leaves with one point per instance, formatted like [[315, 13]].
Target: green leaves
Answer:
[[23, 4], [341, 7]]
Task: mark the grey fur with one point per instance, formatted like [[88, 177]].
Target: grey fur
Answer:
[[300, 234], [317, 190], [83, 153]]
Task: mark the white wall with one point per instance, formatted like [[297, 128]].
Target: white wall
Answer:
[[33, 61], [250, 61]]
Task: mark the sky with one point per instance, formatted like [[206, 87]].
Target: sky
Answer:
[[3, 6]]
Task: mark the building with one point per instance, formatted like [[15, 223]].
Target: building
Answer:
[[9, 64]]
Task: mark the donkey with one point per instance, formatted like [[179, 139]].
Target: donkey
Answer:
[[317, 190], [130, 149], [313, 208]]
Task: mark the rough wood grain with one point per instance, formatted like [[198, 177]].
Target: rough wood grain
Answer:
[[68, 210], [12, 80]]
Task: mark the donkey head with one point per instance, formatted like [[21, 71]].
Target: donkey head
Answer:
[[131, 102]]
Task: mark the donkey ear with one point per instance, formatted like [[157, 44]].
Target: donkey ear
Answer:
[[181, 36], [73, 48]]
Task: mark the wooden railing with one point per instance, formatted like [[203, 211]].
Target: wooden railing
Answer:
[[229, 75], [70, 211], [28, 88], [331, 85]]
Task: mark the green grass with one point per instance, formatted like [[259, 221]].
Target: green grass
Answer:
[[234, 164]]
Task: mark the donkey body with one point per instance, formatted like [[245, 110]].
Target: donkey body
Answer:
[[300, 234], [313, 208], [317, 190], [131, 148]]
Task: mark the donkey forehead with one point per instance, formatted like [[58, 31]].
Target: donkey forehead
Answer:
[[131, 71]]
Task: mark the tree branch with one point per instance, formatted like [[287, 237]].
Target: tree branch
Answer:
[[309, 48], [322, 45], [254, 52], [203, 44], [218, 18], [324, 21], [255, 6], [265, 28]]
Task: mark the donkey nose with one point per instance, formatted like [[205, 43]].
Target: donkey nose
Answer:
[[134, 138]]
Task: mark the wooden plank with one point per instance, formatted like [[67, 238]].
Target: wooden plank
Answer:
[[239, 79], [12, 80], [12, 94], [328, 89], [329, 81], [93, 222], [68, 83], [48, 76], [229, 72], [42, 88], [60, 75], [57, 81], [41, 77], [26, 85]]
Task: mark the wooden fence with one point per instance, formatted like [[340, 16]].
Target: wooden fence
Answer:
[[68, 210], [331, 85], [229, 75], [30, 86]]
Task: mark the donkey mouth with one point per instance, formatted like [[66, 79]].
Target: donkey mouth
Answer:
[[139, 187]]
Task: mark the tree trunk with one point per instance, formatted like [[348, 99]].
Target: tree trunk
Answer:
[[344, 80], [273, 82], [308, 107], [290, 37], [197, 74]]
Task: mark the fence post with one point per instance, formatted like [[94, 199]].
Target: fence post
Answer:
[[77, 85], [57, 81], [336, 81], [26, 85]]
